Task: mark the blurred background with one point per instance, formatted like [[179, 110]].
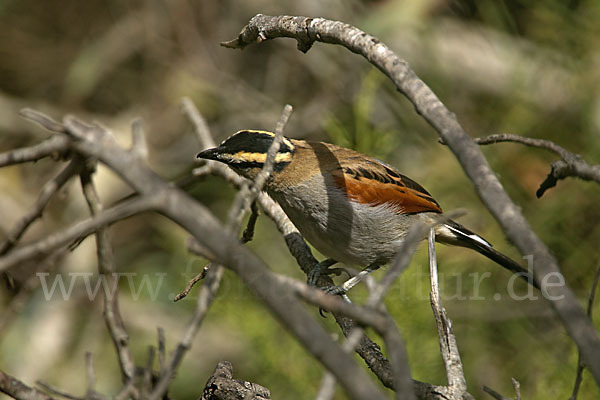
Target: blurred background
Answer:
[[531, 68]]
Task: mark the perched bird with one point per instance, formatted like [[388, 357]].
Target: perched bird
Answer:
[[351, 207]]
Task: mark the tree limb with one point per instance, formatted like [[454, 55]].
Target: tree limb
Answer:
[[18, 390], [308, 30]]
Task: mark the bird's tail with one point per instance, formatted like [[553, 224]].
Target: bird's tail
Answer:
[[455, 234]]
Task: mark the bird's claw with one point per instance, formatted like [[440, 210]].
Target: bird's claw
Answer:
[[334, 291], [321, 269]]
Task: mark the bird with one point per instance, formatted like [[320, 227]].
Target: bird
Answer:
[[354, 209]]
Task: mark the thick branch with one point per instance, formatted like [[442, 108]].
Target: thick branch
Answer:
[[18, 390], [221, 386], [56, 144], [307, 30]]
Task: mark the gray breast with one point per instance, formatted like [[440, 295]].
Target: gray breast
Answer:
[[349, 232]]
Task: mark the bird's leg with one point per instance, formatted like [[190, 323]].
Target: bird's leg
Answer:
[[322, 268], [350, 283]]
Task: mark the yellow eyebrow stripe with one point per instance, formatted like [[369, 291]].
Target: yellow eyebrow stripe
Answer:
[[244, 156]]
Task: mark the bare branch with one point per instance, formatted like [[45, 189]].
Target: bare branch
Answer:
[[161, 350], [580, 362], [200, 126], [55, 145], [16, 389], [448, 346], [19, 301], [507, 213], [570, 165], [494, 394], [58, 392], [517, 387], [139, 147], [90, 394], [107, 269], [78, 230], [205, 298], [43, 120], [509, 137], [46, 194], [221, 386]]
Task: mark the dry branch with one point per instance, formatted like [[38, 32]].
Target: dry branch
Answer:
[[18, 390], [571, 164], [221, 386], [106, 269], [308, 30], [448, 346]]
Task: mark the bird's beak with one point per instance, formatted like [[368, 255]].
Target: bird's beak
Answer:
[[209, 154]]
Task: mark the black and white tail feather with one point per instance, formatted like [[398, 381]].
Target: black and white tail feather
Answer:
[[454, 233]]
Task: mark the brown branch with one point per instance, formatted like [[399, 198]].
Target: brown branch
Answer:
[[571, 165], [16, 389], [106, 269], [507, 213]]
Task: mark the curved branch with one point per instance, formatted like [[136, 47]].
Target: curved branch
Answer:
[[308, 30], [571, 164]]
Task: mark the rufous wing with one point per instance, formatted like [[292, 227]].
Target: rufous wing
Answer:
[[379, 186]]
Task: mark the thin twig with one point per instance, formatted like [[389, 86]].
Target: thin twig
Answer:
[[139, 147], [161, 350], [448, 346], [201, 128], [571, 164], [106, 270], [580, 362], [147, 376], [517, 387], [494, 394], [58, 392], [195, 247], [79, 230], [19, 301], [205, 298], [91, 376], [48, 191]]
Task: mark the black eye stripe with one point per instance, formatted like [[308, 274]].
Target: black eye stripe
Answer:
[[251, 164], [253, 142]]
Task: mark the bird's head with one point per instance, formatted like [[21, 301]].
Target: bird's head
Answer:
[[246, 152]]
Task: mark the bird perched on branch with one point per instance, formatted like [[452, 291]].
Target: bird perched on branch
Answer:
[[353, 208]]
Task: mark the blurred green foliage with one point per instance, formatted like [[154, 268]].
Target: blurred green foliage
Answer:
[[523, 67]]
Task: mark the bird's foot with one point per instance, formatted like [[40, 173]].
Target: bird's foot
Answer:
[[322, 269], [334, 291]]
